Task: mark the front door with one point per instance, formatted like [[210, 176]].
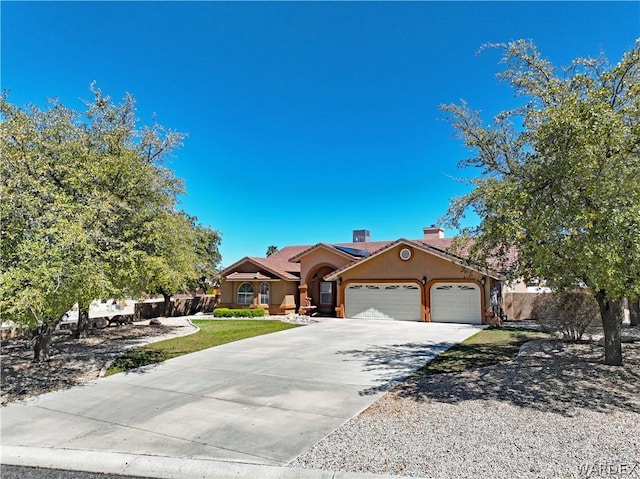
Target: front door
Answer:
[[321, 292], [327, 297]]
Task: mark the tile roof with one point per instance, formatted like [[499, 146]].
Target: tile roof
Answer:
[[289, 251], [367, 247], [285, 264], [247, 276], [497, 263], [279, 265], [275, 264]]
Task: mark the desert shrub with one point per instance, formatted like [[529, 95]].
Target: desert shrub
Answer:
[[569, 313], [238, 313]]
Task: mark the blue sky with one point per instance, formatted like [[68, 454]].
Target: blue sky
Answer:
[[306, 120]]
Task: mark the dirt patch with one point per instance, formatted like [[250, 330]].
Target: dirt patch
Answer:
[[548, 375], [74, 361]]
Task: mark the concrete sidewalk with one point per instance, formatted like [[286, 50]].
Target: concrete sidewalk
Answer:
[[259, 402]]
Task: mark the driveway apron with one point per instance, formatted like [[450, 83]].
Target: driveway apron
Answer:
[[263, 400]]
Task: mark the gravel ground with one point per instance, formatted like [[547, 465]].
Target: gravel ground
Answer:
[[554, 412]]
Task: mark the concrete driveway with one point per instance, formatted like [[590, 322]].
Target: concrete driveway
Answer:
[[262, 400]]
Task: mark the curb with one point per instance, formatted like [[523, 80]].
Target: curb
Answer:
[[161, 467]]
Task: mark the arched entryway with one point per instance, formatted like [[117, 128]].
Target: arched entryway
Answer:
[[321, 292]]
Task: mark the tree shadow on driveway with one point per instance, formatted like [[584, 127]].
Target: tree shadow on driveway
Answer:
[[393, 363], [549, 377]]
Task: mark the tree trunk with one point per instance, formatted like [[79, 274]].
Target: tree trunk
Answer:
[[42, 342], [634, 311], [83, 321], [612, 314], [167, 303]]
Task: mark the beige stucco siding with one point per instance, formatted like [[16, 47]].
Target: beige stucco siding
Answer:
[[226, 294], [313, 267], [278, 290], [314, 260], [389, 267]]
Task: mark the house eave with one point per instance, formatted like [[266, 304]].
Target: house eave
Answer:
[[426, 248]]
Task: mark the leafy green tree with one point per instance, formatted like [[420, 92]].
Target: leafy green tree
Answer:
[[178, 255], [559, 178], [271, 250], [87, 205], [47, 226], [208, 256]]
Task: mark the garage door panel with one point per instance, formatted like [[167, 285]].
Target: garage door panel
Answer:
[[455, 303], [402, 301]]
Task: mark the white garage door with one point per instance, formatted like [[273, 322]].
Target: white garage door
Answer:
[[455, 303], [401, 301]]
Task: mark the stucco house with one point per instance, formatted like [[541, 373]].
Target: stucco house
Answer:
[[411, 280]]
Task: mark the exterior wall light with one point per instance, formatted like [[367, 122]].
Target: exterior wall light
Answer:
[[424, 281], [483, 281], [340, 280]]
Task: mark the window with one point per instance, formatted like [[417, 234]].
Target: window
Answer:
[[245, 294], [405, 254], [326, 292], [264, 293]]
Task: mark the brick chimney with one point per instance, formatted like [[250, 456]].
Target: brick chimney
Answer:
[[433, 232]]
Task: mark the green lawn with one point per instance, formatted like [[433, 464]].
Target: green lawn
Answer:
[[212, 333], [487, 347]]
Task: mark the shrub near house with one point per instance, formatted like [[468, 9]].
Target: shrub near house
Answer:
[[238, 313], [570, 313]]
